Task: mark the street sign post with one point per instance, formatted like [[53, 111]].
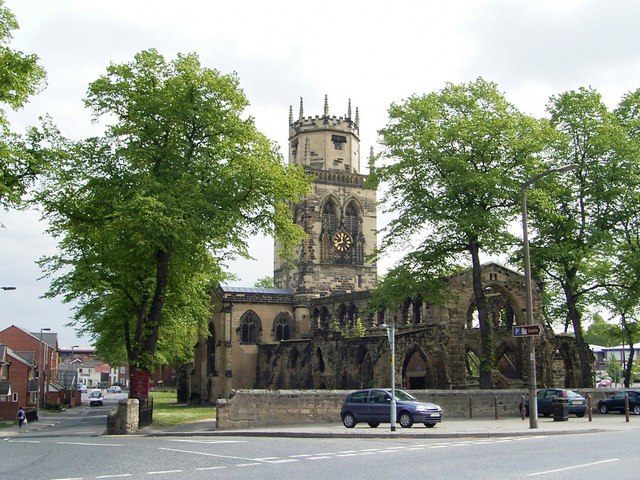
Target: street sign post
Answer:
[[527, 330]]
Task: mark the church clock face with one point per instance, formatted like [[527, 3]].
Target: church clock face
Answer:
[[342, 241]]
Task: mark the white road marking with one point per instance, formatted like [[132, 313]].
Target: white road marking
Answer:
[[319, 458], [209, 468], [284, 460], [24, 441], [116, 476], [207, 442], [573, 467], [163, 472], [248, 464], [206, 454], [90, 444]]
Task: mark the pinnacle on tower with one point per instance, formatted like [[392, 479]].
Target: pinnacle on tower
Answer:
[[349, 109], [290, 114], [326, 106], [301, 110], [357, 117]]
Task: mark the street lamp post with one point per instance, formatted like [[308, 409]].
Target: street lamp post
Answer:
[[533, 402], [42, 367], [391, 335], [73, 347]]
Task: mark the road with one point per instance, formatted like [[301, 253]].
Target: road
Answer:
[[76, 449]]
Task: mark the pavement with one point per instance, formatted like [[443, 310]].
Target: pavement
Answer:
[[449, 428]]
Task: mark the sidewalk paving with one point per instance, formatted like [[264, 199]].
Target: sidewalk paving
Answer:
[[449, 428]]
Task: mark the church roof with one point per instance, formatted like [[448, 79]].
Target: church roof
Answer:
[[255, 294], [260, 290]]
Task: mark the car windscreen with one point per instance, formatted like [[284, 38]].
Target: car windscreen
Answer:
[[404, 396]]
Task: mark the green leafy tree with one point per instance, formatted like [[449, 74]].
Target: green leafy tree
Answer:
[[602, 333], [453, 160], [264, 282], [148, 214], [572, 213], [20, 78], [613, 369]]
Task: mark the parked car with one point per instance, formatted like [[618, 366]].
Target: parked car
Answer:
[[82, 388], [604, 383], [374, 407], [616, 403], [95, 398], [577, 403], [114, 389]]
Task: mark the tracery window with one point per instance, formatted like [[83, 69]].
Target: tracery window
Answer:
[[282, 327], [249, 328]]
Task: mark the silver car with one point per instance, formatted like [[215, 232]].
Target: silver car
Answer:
[[373, 406]]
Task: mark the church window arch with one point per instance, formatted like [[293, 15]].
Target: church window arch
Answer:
[[211, 350], [250, 328], [342, 314], [352, 219], [283, 326], [329, 217]]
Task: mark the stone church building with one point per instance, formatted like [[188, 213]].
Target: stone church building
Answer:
[[313, 331]]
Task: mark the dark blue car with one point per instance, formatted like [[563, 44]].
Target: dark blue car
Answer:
[[617, 402], [373, 406], [546, 396]]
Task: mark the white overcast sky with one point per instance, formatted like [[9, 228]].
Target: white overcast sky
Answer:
[[372, 52]]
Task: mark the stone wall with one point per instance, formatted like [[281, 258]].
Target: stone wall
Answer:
[[263, 408], [125, 418]]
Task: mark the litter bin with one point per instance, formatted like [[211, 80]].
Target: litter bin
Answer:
[[560, 409]]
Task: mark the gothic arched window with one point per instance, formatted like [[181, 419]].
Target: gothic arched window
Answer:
[[351, 219], [283, 327], [211, 350], [249, 328], [329, 217]]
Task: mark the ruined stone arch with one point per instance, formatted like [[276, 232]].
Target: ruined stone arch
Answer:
[[472, 365], [416, 307], [352, 313], [418, 370], [342, 314], [321, 317], [508, 361], [365, 362], [564, 362]]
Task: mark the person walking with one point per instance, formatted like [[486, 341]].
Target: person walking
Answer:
[[22, 417]]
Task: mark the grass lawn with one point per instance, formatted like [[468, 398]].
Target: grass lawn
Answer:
[[168, 413]]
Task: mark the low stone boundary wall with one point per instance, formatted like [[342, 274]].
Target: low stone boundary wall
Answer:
[[125, 418], [260, 408]]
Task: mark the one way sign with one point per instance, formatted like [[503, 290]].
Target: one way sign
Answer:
[[527, 330]]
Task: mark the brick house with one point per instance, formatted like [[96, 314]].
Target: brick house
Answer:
[[18, 383], [44, 353]]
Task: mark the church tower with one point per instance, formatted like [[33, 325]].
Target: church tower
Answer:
[[339, 215]]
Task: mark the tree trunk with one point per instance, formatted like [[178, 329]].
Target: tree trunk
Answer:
[[486, 359], [629, 337], [584, 353]]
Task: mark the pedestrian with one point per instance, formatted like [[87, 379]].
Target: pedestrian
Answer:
[[22, 417]]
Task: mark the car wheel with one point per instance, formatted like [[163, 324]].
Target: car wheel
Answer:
[[580, 415], [374, 424], [406, 420], [429, 424], [349, 420], [636, 409], [604, 408]]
